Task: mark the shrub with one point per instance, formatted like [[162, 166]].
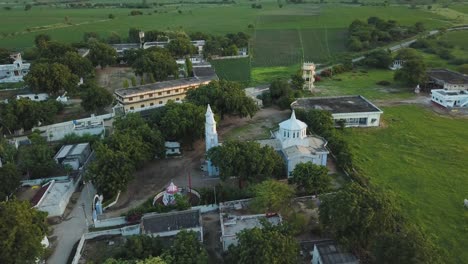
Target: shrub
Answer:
[[384, 83], [326, 73], [136, 13]]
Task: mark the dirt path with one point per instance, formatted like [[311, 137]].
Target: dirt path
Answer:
[[155, 175]]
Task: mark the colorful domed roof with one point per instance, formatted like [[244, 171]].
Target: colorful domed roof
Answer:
[[172, 188]]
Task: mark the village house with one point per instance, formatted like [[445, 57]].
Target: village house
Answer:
[[449, 99], [354, 111], [11, 73], [234, 219], [170, 224], [447, 80], [74, 156]]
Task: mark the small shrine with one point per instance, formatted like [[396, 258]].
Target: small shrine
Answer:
[[168, 196]]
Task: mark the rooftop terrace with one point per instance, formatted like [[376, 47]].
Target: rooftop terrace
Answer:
[[448, 76], [337, 104], [159, 223]]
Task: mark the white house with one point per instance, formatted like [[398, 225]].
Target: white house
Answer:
[[11, 73], [449, 99], [53, 197], [448, 80], [172, 148], [295, 146], [34, 97], [74, 156], [354, 111]]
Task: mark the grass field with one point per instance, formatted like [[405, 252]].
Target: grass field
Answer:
[[422, 157], [262, 75], [233, 69], [363, 83]]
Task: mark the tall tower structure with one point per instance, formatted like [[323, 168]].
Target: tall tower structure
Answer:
[[211, 139], [308, 73]]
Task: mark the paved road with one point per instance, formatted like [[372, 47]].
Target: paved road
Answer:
[[70, 230]]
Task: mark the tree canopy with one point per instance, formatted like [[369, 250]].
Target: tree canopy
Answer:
[[181, 47], [156, 62], [78, 65], [248, 161], [186, 249], [414, 68], [95, 98], [311, 178], [272, 196], [101, 54], [269, 244], [22, 229], [379, 59], [51, 78], [224, 97], [10, 179], [36, 159]]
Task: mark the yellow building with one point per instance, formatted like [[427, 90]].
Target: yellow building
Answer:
[[154, 95]]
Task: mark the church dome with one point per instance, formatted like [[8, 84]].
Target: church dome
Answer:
[[293, 124]]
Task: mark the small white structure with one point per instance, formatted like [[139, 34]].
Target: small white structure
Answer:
[[170, 224], [327, 252], [53, 197], [354, 111], [450, 99], [292, 141], [466, 203], [169, 194], [417, 90], [233, 221], [396, 65], [211, 139], [11, 73], [74, 156], [33, 97], [308, 74], [172, 148]]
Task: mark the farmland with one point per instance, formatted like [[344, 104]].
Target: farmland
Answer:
[[233, 69], [415, 158]]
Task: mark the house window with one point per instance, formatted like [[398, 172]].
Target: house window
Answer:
[[284, 133], [150, 95], [151, 104], [177, 99], [160, 102], [159, 93], [288, 134], [168, 92], [7, 72], [36, 97], [142, 106], [130, 99], [131, 108], [294, 135], [142, 96], [176, 90]]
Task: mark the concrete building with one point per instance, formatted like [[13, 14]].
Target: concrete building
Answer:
[[255, 92], [295, 146], [172, 148], [73, 155], [170, 224], [233, 220], [11, 73], [308, 74], [449, 99], [327, 252], [447, 79], [34, 97], [354, 111], [53, 197], [150, 96]]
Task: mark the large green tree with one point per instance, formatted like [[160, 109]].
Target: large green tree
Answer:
[[111, 171], [51, 78], [281, 93], [101, 54], [319, 122], [80, 66], [269, 244], [248, 161], [22, 229], [414, 68], [311, 178], [156, 62], [297, 82], [36, 159], [181, 47], [183, 122], [10, 179], [186, 249], [5, 56], [141, 247], [224, 97], [379, 59], [95, 98], [272, 196]]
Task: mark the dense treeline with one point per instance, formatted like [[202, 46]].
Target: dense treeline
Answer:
[[375, 31]]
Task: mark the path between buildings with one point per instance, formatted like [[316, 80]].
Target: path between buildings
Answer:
[[70, 230]]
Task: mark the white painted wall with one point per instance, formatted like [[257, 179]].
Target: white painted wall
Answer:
[[373, 118]]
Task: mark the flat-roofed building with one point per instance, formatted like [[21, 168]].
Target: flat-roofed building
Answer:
[[170, 224], [447, 79], [449, 99], [74, 156], [328, 252], [149, 96], [14, 72], [354, 111]]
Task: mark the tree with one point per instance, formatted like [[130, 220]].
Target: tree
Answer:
[[102, 54], [463, 68], [379, 59], [22, 229], [248, 161], [27, 7], [412, 73], [319, 122], [80, 66], [141, 247], [224, 97], [281, 93], [181, 47], [10, 179], [186, 249], [90, 36], [95, 98], [37, 159], [134, 35], [297, 82], [114, 38], [151, 260], [156, 62], [51, 78], [5, 56], [41, 40], [311, 178], [269, 244], [111, 171], [272, 196], [53, 51], [181, 122], [188, 65], [357, 215]]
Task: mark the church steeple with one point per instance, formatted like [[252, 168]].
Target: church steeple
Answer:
[[211, 138]]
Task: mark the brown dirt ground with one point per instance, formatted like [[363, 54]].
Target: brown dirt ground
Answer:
[[155, 175], [112, 78]]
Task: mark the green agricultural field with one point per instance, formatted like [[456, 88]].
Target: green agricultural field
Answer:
[[363, 82], [272, 47], [421, 156], [263, 75], [458, 38], [233, 69]]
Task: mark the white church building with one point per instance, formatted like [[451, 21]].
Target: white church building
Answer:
[[211, 140], [295, 146]]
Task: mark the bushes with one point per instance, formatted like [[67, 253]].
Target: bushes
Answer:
[[384, 83]]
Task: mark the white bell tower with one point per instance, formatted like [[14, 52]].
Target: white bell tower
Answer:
[[211, 139]]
